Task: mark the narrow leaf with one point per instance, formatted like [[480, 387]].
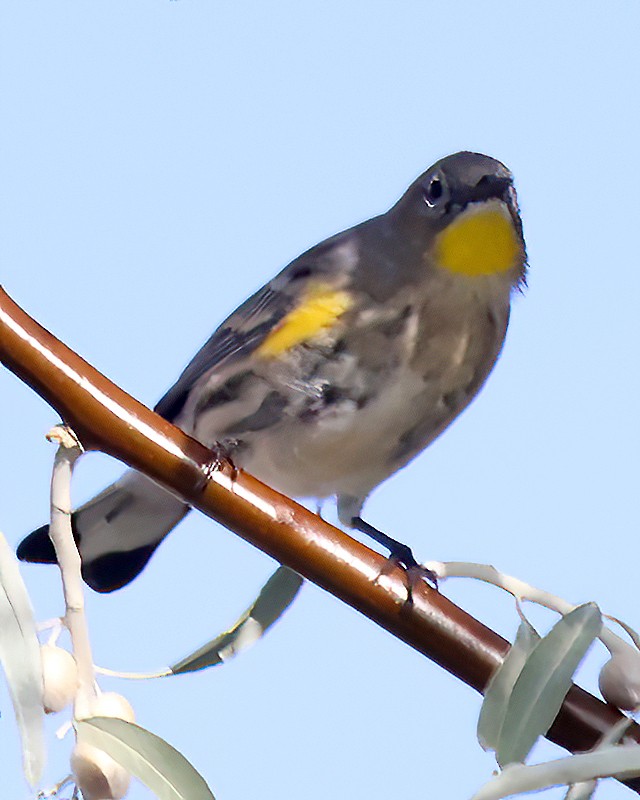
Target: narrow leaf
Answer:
[[152, 760], [275, 597], [544, 681], [498, 692], [581, 791], [20, 659], [633, 634], [621, 761]]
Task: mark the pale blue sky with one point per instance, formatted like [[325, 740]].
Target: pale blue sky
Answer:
[[158, 162]]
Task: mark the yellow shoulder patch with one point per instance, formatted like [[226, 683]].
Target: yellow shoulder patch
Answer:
[[317, 312], [481, 241]]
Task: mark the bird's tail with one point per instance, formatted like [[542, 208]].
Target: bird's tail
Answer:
[[116, 532]]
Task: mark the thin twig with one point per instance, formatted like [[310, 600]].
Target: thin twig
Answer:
[[69, 450], [520, 591]]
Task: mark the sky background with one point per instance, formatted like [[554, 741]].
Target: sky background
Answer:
[[159, 161]]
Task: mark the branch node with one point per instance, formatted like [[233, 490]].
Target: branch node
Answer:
[[64, 436]]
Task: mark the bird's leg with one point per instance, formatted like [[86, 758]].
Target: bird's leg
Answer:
[[397, 552]]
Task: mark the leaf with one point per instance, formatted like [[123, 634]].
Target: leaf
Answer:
[[20, 659], [633, 634], [498, 692], [152, 760], [581, 791], [618, 760], [274, 599], [544, 681]]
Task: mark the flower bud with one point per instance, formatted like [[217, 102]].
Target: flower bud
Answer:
[[59, 677], [619, 679], [97, 775], [111, 704]]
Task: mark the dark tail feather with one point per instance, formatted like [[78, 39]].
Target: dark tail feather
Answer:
[[38, 548], [117, 532]]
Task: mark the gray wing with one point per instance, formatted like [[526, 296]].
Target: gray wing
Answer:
[[238, 336], [242, 332]]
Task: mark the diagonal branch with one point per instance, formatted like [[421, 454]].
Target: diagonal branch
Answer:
[[105, 418]]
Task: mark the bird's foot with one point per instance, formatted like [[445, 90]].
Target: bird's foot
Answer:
[[222, 457], [399, 553]]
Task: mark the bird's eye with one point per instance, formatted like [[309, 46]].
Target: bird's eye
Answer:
[[433, 192]]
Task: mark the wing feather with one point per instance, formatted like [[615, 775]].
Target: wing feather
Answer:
[[242, 332], [238, 336]]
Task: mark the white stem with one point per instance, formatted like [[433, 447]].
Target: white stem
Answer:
[[64, 729], [56, 622], [54, 790], [68, 558], [133, 676], [519, 589]]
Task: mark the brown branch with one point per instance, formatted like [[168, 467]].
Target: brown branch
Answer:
[[107, 419]]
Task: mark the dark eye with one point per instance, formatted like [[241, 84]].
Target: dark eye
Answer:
[[433, 192]]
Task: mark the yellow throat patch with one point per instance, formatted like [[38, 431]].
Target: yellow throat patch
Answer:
[[481, 241], [316, 312]]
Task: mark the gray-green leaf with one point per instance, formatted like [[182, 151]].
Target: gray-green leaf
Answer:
[[581, 791], [152, 760], [275, 597], [618, 760], [498, 692], [21, 661], [544, 681]]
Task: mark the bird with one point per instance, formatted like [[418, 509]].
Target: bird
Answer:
[[341, 369]]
